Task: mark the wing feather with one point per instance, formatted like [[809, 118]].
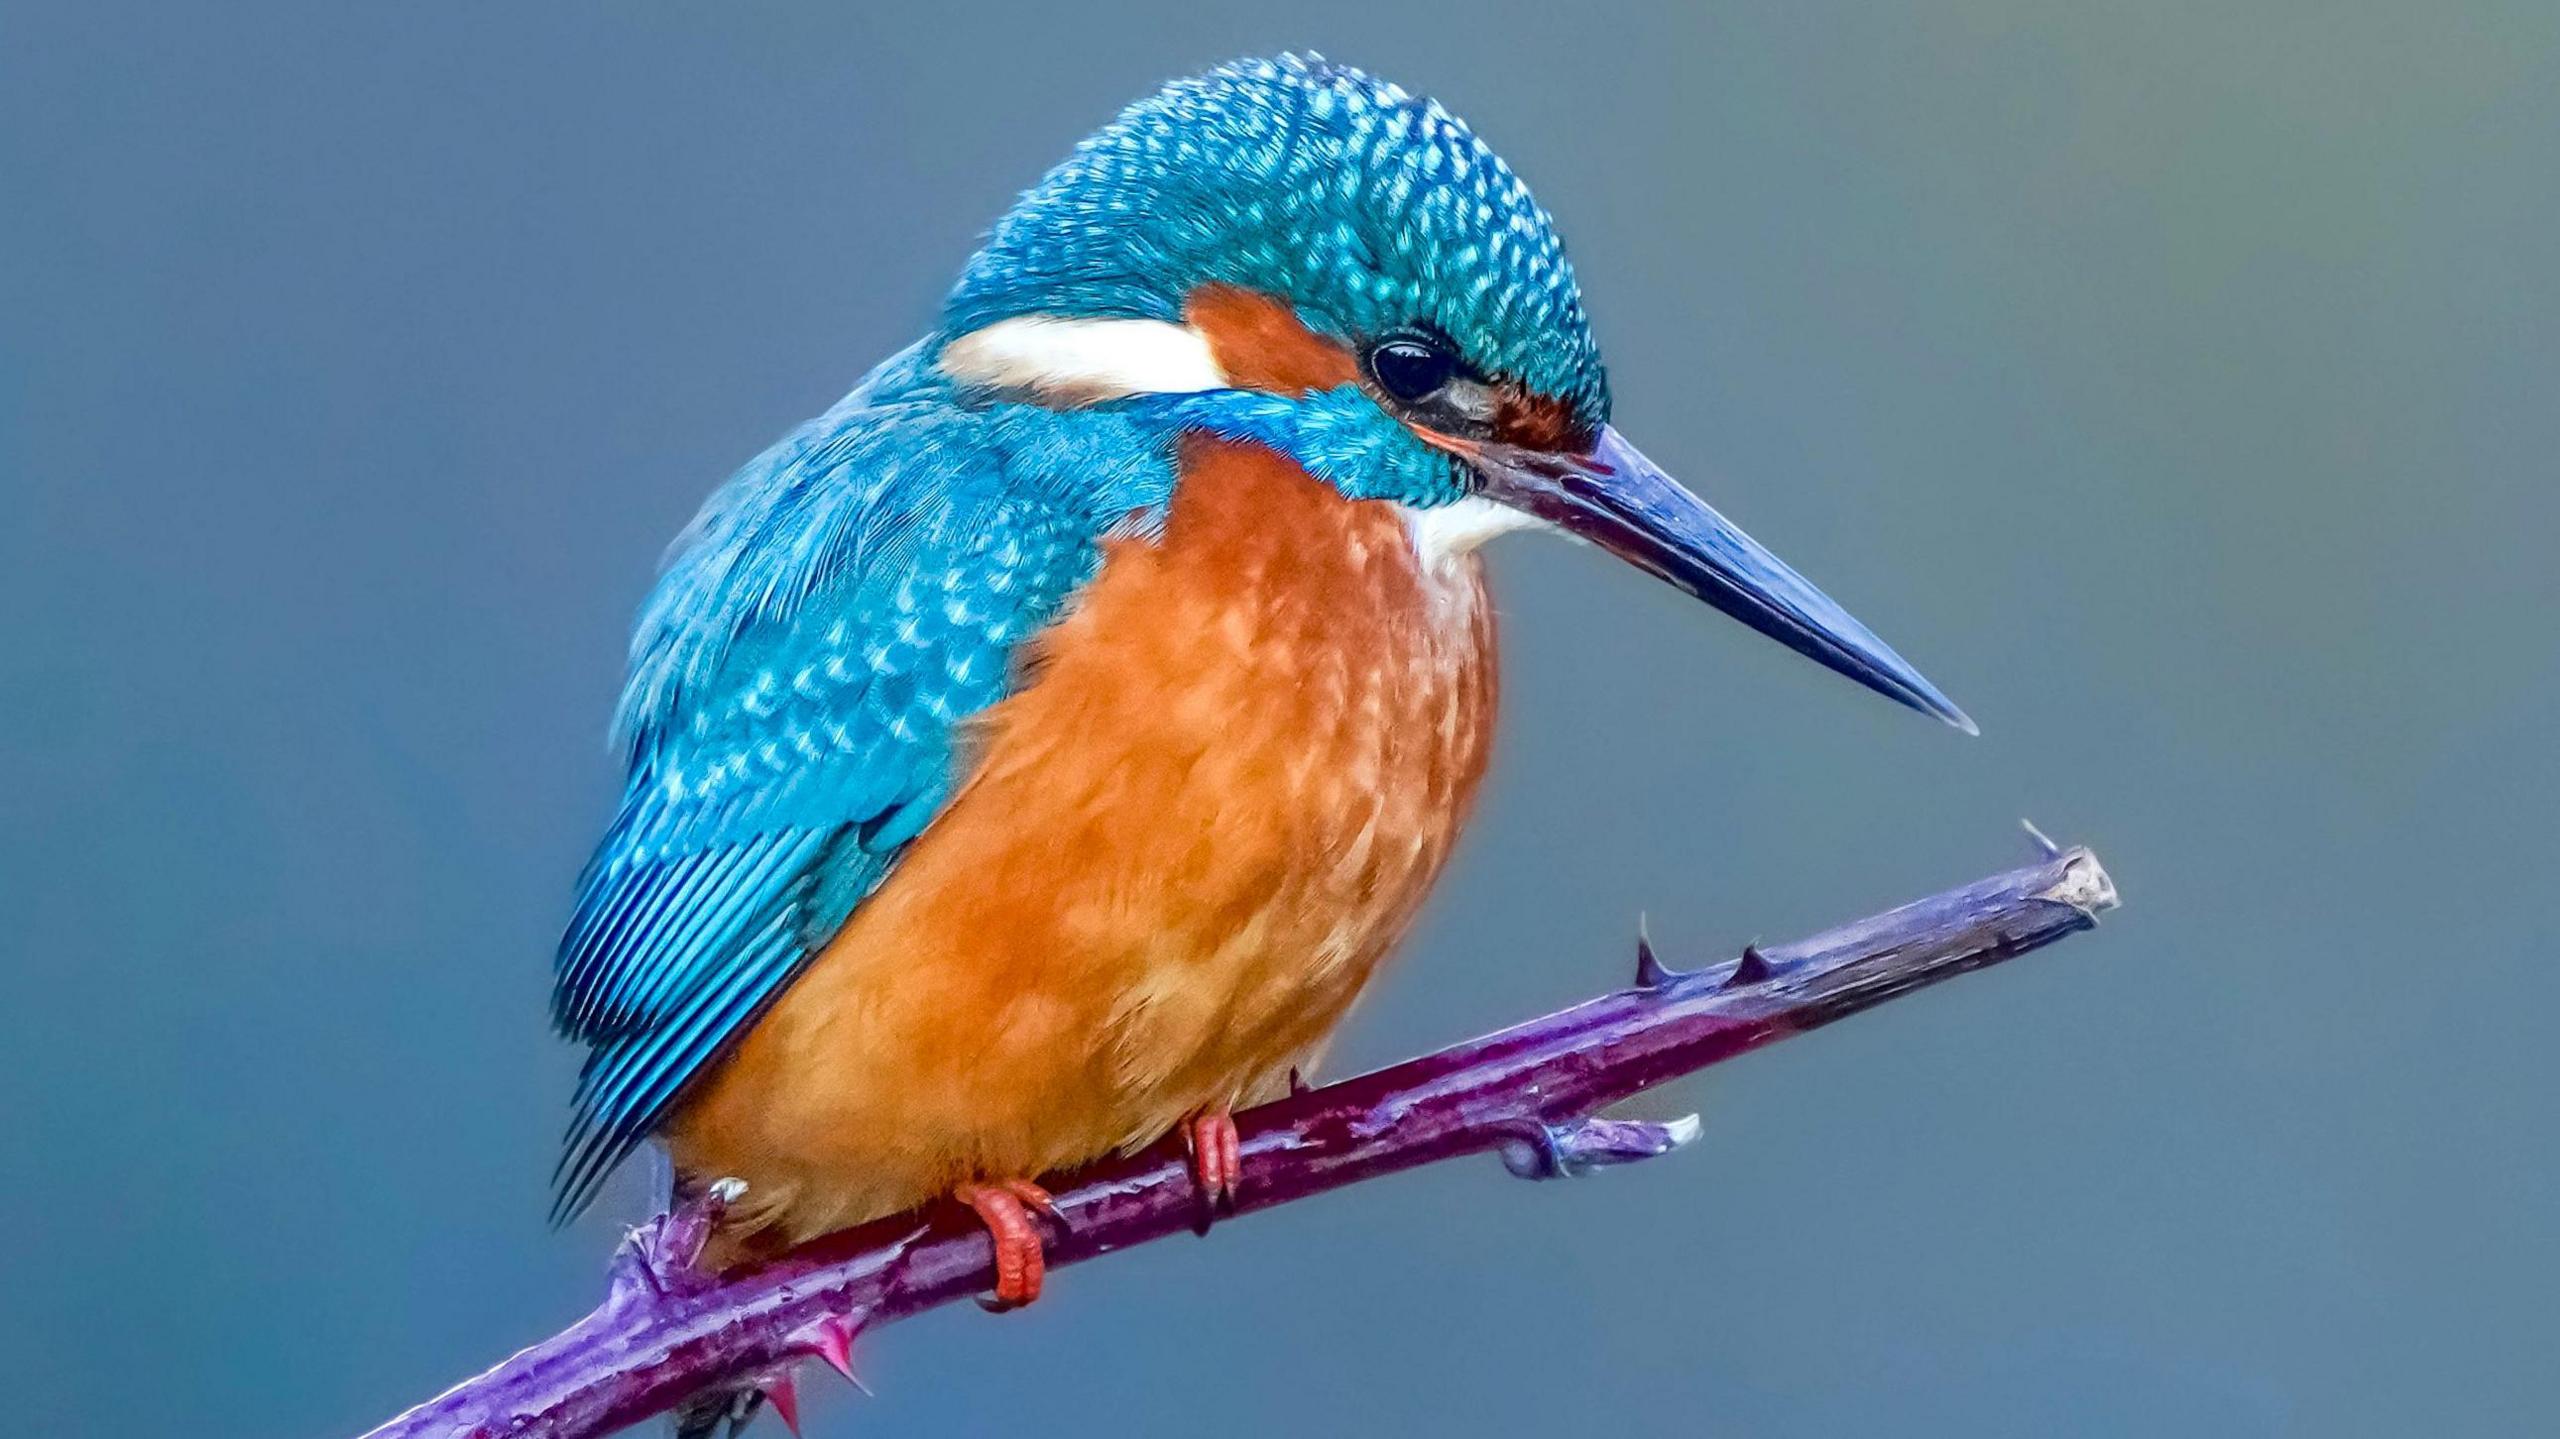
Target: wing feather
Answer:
[[798, 685]]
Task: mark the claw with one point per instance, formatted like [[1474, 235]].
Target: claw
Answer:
[[1217, 1162], [660, 1255], [1039, 1201]]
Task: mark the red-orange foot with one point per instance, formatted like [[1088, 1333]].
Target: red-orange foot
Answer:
[[1217, 1159], [1005, 1206]]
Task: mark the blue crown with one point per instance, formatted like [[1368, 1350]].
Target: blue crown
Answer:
[[1369, 209]]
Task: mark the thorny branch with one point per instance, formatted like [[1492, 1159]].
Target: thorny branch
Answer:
[[1530, 1093]]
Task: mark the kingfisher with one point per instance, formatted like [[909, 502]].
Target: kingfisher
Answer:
[[1036, 754]]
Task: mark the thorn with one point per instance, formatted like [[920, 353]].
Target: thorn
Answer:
[[830, 1340], [1752, 968], [1298, 1083], [2044, 847], [783, 1394], [1651, 972], [1532, 1150]]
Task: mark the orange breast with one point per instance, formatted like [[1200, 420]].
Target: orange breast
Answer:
[[1186, 846]]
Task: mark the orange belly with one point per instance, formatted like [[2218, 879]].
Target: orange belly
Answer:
[[1185, 847]]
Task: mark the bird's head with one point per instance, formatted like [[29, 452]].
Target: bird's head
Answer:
[[1293, 252]]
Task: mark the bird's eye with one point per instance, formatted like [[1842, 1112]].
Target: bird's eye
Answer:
[[1412, 368]]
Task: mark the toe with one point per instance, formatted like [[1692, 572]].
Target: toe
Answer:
[[1005, 1207]]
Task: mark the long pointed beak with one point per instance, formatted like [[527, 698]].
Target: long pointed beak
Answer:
[[1624, 503]]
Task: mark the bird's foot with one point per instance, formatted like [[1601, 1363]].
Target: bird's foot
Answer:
[[664, 1256], [1217, 1161], [1006, 1207]]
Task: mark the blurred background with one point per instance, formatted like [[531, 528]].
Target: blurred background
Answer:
[[2174, 382]]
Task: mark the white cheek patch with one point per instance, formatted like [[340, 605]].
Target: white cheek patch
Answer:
[[1445, 534], [1065, 361]]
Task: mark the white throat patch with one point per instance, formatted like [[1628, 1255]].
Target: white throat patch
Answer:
[[1067, 361], [1445, 534]]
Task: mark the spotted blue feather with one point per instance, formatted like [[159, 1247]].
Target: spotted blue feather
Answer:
[[797, 685], [801, 675]]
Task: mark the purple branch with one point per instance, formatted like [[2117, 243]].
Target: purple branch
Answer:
[[1529, 1093]]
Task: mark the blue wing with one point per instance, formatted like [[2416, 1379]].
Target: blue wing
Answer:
[[798, 681]]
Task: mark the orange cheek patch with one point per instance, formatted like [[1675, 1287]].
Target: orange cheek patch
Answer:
[[1537, 422], [1260, 343]]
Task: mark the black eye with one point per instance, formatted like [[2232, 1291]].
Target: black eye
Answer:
[[1411, 368]]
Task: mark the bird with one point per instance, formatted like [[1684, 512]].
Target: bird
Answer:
[[1036, 754]]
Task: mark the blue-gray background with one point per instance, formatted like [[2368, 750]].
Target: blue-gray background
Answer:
[[2176, 382]]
